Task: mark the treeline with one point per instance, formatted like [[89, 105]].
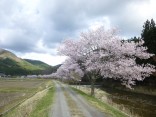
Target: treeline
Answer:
[[148, 35]]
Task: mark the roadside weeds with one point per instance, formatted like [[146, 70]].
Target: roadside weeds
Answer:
[[101, 105]]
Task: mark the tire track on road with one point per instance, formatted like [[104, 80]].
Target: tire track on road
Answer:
[[69, 104], [60, 107]]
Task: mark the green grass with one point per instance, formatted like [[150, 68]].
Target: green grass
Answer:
[[101, 105], [44, 105]]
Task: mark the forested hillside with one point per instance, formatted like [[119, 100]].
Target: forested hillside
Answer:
[[10, 64]]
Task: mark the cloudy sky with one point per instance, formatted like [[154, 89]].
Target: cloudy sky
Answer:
[[34, 28]]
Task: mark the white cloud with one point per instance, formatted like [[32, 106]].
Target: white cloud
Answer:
[[102, 21], [35, 27], [47, 58]]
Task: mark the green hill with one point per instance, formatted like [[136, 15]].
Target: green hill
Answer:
[[47, 68], [10, 64], [38, 63]]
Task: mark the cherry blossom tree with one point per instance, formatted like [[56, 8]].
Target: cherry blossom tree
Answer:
[[114, 58], [101, 52], [70, 70]]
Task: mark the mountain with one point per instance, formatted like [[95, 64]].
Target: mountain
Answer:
[[47, 69], [10, 64], [38, 63]]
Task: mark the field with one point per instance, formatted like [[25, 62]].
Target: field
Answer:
[[14, 91]]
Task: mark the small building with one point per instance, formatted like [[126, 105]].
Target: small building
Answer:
[[2, 74]]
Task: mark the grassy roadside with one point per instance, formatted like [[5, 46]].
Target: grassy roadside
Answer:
[[44, 105], [101, 105], [44, 94]]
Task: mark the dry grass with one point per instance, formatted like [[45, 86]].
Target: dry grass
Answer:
[[44, 105], [15, 91], [127, 102], [104, 107], [104, 97], [27, 106]]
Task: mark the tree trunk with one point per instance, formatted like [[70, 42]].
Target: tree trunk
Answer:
[[92, 86], [76, 85]]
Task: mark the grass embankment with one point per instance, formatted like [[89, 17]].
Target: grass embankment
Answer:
[[44, 105], [22, 106], [101, 105]]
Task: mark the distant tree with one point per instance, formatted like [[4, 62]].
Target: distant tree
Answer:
[[149, 35], [135, 39], [69, 70]]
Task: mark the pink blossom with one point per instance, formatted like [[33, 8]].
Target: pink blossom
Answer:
[[103, 52]]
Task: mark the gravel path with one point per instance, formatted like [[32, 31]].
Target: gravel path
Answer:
[[70, 104], [60, 108]]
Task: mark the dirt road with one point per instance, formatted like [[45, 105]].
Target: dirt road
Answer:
[[70, 104]]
